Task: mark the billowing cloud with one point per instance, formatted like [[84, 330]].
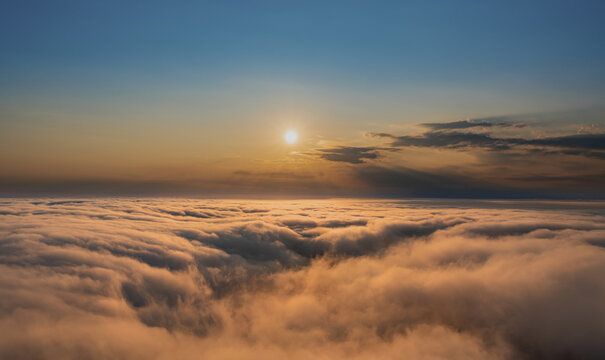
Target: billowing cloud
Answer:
[[149, 279]]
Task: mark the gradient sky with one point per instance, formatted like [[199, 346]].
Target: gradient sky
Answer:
[[194, 97]]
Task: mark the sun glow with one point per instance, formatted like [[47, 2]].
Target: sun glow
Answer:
[[291, 136]]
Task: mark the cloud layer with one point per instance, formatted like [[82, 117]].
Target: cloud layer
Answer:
[[593, 144], [537, 156], [165, 279], [348, 154]]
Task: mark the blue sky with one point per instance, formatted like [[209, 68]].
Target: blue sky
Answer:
[[538, 44]]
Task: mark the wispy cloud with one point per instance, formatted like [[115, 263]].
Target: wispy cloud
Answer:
[[474, 123], [348, 154], [459, 140]]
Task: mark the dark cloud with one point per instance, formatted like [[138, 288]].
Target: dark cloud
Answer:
[[348, 154], [450, 140], [474, 123], [600, 155], [116, 278], [589, 180], [581, 141], [529, 167], [403, 182], [407, 182], [456, 140]]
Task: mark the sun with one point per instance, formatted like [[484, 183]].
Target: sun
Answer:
[[291, 136]]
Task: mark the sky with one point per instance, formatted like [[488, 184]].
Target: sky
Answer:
[[302, 180], [389, 99]]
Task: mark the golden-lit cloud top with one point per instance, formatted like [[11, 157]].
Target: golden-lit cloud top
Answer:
[[165, 279]]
